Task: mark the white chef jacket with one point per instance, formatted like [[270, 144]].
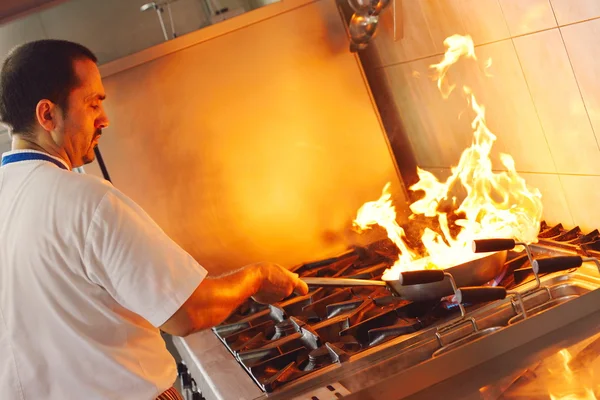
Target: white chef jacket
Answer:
[[86, 277]]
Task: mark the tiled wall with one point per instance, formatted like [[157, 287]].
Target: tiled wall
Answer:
[[4, 141], [542, 99]]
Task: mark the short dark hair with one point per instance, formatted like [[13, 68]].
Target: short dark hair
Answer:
[[34, 71]]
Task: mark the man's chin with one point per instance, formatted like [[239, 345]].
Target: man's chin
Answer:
[[87, 159]]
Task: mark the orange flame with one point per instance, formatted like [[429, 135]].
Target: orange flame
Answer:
[[458, 46], [570, 381], [383, 213], [588, 395], [497, 204]]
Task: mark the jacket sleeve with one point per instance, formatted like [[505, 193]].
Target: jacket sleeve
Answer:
[[130, 256]]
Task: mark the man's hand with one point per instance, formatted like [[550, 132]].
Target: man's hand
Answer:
[[277, 283], [216, 298]]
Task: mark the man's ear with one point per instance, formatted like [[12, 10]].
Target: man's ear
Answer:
[[46, 114]]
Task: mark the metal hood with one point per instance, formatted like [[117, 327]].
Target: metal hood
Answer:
[[11, 9]]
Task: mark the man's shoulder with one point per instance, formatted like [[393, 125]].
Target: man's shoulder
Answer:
[[88, 192], [84, 187]]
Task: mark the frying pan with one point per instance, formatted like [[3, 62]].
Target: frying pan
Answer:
[[427, 285]]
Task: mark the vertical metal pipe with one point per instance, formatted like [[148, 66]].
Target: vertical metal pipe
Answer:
[[101, 164], [162, 23], [171, 20]]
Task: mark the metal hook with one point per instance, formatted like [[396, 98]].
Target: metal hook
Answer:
[[394, 16]]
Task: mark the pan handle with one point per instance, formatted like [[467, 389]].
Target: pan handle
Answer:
[[489, 245], [555, 264], [480, 294], [420, 277], [315, 281]]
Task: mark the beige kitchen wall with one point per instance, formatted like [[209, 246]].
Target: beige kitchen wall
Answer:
[[541, 91], [257, 144]]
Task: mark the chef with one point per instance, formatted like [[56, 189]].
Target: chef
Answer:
[[87, 278]]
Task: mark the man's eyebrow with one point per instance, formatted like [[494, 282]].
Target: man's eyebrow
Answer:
[[95, 96]]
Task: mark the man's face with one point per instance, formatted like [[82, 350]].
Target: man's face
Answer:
[[82, 124]]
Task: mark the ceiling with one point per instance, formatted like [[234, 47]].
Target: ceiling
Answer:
[[10, 9]]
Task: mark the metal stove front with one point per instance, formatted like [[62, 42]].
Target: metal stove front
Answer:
[[364, 360]]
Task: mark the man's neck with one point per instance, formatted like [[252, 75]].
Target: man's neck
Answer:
[[24, 143]]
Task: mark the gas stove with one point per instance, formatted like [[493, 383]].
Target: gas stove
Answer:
[[363, 342]]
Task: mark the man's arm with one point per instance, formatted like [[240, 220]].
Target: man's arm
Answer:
[[145, 271], [216, 298]]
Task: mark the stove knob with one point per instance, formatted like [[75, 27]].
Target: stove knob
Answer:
[[184, 375], [181, 368], [196, 395], [186, 380]]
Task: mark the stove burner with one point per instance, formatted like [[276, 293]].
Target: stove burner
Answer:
[[282, 343], [284, 328], [317, 358]]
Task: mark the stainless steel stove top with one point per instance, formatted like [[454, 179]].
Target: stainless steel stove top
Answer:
[[365, 343]]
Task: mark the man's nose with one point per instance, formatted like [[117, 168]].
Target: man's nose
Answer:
[[102, 122]]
